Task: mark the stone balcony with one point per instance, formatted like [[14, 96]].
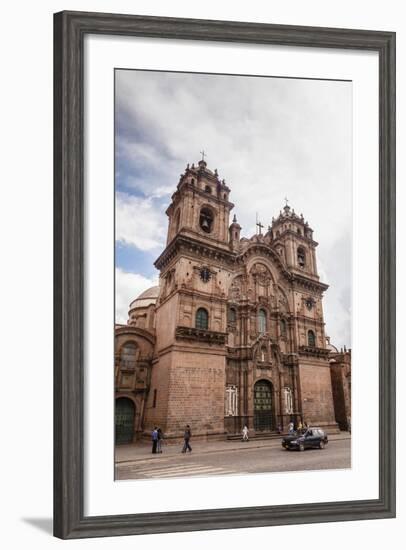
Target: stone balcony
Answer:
[[202, 335], [314, 352]]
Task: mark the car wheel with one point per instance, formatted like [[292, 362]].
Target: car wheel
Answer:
[[321, 445], [301, 447]]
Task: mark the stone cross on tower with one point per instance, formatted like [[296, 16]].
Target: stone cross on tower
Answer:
[[203, 155], [286, 207], [259, 225]]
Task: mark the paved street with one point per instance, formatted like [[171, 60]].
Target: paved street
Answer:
[[269, 457]]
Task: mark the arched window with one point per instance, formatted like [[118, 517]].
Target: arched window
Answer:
[[232, 315], [283, 327], [202, 319], [261, 321], [311, 339], [208, 189], [206, 220], [301, 257], [129, 355]]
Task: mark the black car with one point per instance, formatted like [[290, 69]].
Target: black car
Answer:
[[312, 438]]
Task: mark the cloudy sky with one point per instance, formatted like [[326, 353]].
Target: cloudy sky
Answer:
[[270, 138]]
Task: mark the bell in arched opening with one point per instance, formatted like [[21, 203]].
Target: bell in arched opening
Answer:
[[206, 220]]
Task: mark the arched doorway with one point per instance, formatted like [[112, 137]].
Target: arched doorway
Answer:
[[263, 417], [124, 420]]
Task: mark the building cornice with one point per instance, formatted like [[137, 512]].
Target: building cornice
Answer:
[[194, 189], [298, 237], [195, 247], [309, 320], [309, 284], [310, 351]]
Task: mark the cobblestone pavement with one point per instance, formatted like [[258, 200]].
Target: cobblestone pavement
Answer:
[[270, 457]]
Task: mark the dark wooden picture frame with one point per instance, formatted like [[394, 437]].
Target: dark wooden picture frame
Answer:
[[69, 31]]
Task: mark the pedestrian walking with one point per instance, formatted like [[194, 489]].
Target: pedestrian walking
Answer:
[[291, 428], [300, 427], [186, 438], [154, 437], [245, 433], [159, 441]]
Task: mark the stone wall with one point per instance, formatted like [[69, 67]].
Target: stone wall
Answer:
[[196, 393], [340, 369], [316, 393], [156, 409], [189, 390]]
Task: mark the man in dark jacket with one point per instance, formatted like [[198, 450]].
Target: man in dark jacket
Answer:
[[154, 437], [186, 437]]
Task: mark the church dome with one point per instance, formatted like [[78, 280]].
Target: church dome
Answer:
[[330, 346], [146, 298]]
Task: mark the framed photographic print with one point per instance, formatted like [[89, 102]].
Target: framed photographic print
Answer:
[[224, 275]]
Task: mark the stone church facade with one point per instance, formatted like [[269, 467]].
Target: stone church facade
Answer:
[[234, 334]]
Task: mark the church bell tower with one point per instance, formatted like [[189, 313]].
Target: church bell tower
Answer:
[[293, 239], [200, 206], [188, 377]]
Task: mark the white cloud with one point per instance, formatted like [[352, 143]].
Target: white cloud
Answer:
[[139, 222], [336, 306], [268, 137], [128, 287]]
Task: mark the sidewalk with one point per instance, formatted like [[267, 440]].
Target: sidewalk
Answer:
[[142, 450]]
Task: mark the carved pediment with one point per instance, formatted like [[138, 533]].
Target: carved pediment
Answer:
[[261, 274]]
